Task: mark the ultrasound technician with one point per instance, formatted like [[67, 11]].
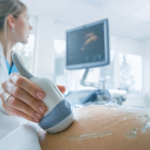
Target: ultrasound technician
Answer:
[[19, 97]]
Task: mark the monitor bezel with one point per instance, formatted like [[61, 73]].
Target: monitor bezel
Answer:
[[107, 51]]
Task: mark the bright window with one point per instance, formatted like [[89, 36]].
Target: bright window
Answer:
[[59, 46], [26, 52], [107, 73], [130, 73]]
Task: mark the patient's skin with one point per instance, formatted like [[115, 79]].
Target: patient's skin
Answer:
[[100, 127]]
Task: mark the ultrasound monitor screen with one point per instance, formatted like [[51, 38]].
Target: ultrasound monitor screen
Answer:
[[86, 46]]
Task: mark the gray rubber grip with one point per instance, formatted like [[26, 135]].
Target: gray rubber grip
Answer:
[[22, 70], [58, 114]]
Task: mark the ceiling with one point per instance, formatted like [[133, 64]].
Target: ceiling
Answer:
[[129, 18]]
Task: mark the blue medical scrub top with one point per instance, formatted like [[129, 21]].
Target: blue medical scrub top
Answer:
[[11, 69]]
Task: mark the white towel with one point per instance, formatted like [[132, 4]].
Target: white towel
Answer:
[[17, 135]]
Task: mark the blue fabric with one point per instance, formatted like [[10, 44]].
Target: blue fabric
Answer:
[[11, 69]]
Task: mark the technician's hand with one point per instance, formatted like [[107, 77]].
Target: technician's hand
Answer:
[[26, 98]]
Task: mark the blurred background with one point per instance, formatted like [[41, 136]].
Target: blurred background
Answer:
[[129, 27]]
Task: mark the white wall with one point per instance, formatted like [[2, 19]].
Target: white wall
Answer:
[[60, 30], [146, 71], [44, 48]]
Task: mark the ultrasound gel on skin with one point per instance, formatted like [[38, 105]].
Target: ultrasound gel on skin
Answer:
[[59, 115]]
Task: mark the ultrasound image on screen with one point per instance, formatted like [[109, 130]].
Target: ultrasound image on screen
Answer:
[[86, 45]]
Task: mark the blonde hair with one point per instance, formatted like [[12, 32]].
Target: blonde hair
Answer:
[[9, 7]]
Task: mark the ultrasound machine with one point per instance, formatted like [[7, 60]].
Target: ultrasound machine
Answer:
[[88, 47]]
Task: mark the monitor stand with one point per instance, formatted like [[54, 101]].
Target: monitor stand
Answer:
[[95, 85], [85, 96]]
